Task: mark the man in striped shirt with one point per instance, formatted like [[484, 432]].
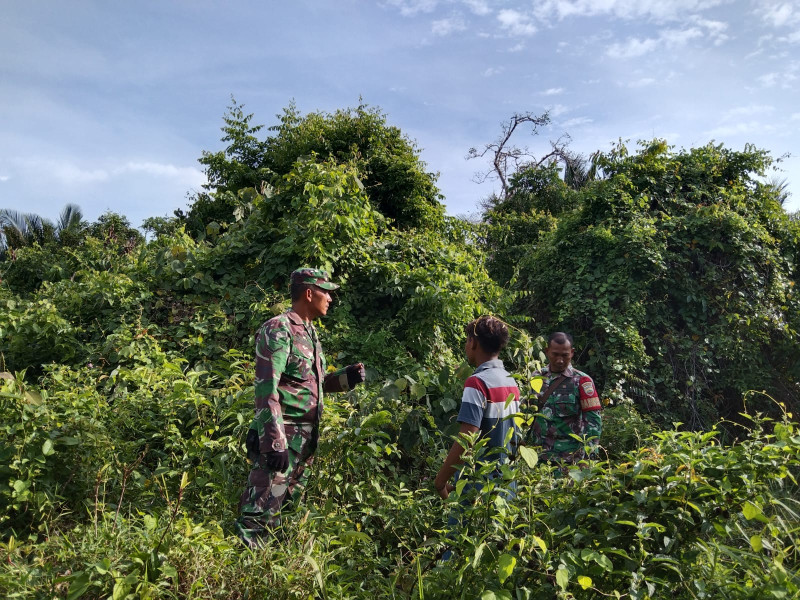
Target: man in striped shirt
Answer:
[[489, 399]]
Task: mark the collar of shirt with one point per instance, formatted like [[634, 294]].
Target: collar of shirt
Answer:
[[308, 327], [495, 363], [569, 371], [294, 317]]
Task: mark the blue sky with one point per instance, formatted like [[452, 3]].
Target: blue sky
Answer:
[[110, 104]]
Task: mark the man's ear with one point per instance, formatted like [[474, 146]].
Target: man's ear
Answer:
[[308, 294]]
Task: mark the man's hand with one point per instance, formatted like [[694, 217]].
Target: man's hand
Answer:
[[444, 491], [355, 374], [277, 460]]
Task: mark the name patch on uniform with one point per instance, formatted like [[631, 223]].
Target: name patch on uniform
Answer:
[[588, 388]]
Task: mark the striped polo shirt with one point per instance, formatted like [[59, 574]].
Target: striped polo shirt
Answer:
[[484, 404]]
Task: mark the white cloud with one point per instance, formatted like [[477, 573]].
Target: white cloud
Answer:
[[557, 109], [516, 23], [779, 15], [553, 92], [632, 48], [492, 71], [517, 47], [792, 38], [409, 8], [189, 175], [680, 37], [576, 122], [796, 116], [746, 111], [667, 38], [769, 79], [447, 26], [716, 30], [738, 129], [478, 7], [643, 82], [4, 177], [656, 10], [69, 174], [784, 79]]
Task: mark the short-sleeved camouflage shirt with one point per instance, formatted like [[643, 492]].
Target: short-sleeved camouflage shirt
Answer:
[[290, 377], [572, 408]]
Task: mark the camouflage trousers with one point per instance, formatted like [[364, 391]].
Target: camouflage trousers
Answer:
[[267, 491]]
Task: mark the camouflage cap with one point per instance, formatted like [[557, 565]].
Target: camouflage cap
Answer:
[[316, 277]]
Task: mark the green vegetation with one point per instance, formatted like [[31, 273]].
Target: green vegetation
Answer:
[[126, 379]]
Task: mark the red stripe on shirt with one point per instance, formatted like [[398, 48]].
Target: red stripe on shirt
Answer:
[[497, 394], [500, 394], [477, 384]]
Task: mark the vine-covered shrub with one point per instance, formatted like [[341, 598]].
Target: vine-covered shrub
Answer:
[[675, 278]]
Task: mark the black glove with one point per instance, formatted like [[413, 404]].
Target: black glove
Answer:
[[355, 374], [277, 460], [251, 443]]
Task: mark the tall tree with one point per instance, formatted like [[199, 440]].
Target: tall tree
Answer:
[[676, 275], [387, 162]]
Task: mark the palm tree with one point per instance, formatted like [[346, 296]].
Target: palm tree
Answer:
[[25, 229]]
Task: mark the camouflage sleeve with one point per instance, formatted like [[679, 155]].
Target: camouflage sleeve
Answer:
[[272, 350], [591, 411], [336, 381]]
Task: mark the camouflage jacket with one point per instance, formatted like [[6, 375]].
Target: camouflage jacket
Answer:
[[572, 408], [290, 378]]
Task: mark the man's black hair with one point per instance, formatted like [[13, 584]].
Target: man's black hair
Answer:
[[297, 289], [491, 333], [559, 337]]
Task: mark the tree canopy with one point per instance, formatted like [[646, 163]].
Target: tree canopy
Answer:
[[386, 161], [676, 274]]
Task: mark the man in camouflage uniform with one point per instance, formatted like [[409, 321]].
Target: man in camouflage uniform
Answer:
[[568, 404], [289, 384]]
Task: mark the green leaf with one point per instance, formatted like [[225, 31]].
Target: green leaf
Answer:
[[79, 583], [352, 536], [150, 522], [529, 455], [317, 574], [755, 543], [505, 566], [476, 559], [604, 561], [47, 447], [562, 578], [418, 391], [540, 542], [20, 485], [102, 567], [496, 595], [120, 590], [584, 581], [751, 511]]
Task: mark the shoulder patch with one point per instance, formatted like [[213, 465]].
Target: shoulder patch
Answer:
[[588, 388]]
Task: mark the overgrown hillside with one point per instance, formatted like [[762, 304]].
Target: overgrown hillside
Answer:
[[126, 384]]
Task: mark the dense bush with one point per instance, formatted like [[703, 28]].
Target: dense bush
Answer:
[[676, 275], [155, 465]]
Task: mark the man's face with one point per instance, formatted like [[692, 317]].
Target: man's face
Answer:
[[320, 301], [559, 356], [470, 347]]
